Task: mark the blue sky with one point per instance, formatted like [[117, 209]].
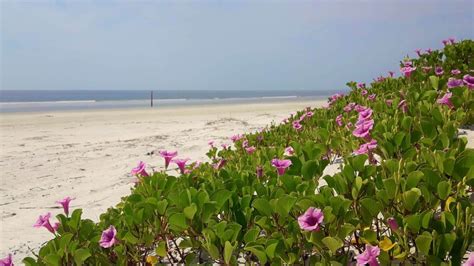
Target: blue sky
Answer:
[[236, 45]]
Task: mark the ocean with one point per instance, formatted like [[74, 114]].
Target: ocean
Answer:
[[59, 100]]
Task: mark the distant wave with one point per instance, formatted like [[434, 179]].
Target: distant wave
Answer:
[[50, 102], [279, 97]]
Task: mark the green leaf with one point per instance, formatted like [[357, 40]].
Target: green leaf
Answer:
[[221, 197], [190, 211], [270, 250], [178, 222], [75, 219], [423, 243], [411, 198], [428, 128], [251, 235], [161, 206], [29, 261], [258, 251], [161, 249], [228, 249], [52, 259], [129, 238], [65, 239], [309, 169], [213, 251], [263, 206], [371, 205], [390, 187], [444, 189], [333, 243], [285, 204], [434, 80], [358, 162], [413, 179], [81, 255], [406, 122]]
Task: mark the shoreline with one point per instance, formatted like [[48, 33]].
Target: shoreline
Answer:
[[84, 105]]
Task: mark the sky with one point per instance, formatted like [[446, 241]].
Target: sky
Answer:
[[217, 45]]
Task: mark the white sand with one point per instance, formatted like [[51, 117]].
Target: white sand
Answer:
[[88, 155]]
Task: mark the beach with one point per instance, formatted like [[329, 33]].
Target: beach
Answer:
[[88, 155]]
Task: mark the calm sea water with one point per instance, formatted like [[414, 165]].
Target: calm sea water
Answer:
[[49, 100]]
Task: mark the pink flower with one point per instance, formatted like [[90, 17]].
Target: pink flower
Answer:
[[281, 165], [335, 97], [371, 97], [181, 163], [245, 144], [363, 128], [403, 106], [219, 164], [250, 150], [392, 223], [349, 125], [453, 83], [366, 147], [369, 256], [429, 51], [211, 143], [418, 52], [311, 219], [439, 71], [391, 73], [445, 42], [43, 221], [365, 114], [408, 63], [426, 69], [235, 138], [297, 125], [446, 100], [349, 107], [455, 72], [259, 171], [361, 85], [140, 169], [224, 146], [56, 226], [452, 40], [469, 81], [470, 260], [389, 102], [302, 117], [289, 151], [364, 92], [309, 114], [108, 238], [407, 70], [379, 79], [359, 108], [65, 203], [7, 261], [168, 156], [339, 120]]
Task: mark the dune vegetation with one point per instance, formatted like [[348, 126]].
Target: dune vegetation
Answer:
[[401, 195]]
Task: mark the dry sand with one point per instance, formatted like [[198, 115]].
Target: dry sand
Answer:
[[88, 155]]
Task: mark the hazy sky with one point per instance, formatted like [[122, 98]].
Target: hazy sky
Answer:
[[247, 45]]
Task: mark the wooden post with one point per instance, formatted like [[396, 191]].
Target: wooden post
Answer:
[[151, 99]]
